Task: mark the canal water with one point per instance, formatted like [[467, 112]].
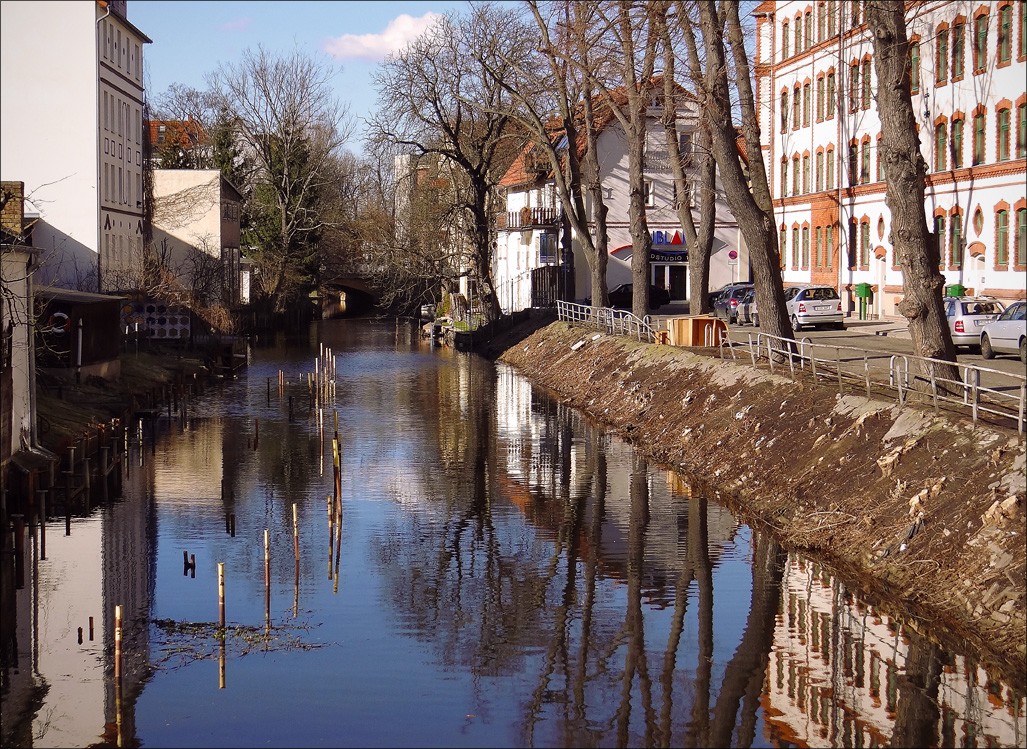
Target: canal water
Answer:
[[502, 572]]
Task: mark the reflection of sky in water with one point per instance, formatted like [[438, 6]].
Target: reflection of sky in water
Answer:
[[458, 618]]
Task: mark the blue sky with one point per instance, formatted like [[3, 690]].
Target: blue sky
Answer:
[[190, 39]]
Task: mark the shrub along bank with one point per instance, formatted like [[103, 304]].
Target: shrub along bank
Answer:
[[925, 513]]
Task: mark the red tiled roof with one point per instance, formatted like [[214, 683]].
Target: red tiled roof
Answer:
[[186, 133]]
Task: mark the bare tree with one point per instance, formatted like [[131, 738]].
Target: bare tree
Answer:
[[292, 126], [699, 238], [916, 247], [424, 95], [747, 191]]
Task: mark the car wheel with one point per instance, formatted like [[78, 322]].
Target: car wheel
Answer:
[[986, 350], [755, 319], [839, 326], [1023, 350], [795, 324]]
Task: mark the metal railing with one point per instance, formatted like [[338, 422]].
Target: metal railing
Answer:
[[611, 321], [1005, 395]]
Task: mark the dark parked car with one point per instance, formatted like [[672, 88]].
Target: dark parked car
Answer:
[[716, 293], [621, 296], [725, 306]]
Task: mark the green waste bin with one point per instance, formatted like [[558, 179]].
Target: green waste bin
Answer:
[[955, 289], [864, 290]]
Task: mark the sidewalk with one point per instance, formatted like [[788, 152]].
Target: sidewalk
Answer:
[[893, 327]]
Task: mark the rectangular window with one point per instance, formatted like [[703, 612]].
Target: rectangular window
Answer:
[[784, 111], [796, 109], [784, 40], [939, 239], [650, 193], [956, 145], [819, 247], [832, 19], [806, 106], [796, 175], [1005, 34], [829, 244], [784, 177], [830, 168], [866, 84], [830, 94], [958, 50], [821, 21], [1002, 147], [956, 240], [880, 161], [914, 67], [941, 147], [853, 164], [1002, 238], [853, 86], [805, 173], [980, 46], [979, 138], [809, 30], [798, 35], [1021, 237], [795, 248], [820, 171], [805, 247], [820, 99], [941, 57], [864, 244], [864, 166], [782, 246], [1021, 131]]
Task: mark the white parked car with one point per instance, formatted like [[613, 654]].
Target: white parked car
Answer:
[[814, 304], [967, 317], [1008, 334]]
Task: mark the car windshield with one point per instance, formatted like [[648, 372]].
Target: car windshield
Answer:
[[981, 308], [821, 293], [1016, 312]]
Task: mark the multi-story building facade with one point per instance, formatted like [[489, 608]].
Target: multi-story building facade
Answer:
[[73, 133], [533, 234], [817, 97]]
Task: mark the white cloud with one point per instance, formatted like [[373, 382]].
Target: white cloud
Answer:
[[398, 34], [237, 24]]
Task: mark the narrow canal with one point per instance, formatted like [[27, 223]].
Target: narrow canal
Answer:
[[501, 572]]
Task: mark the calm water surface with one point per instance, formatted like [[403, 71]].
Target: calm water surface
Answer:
[[504, 574]]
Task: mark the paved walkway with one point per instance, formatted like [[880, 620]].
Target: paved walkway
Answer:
[[893, 327]]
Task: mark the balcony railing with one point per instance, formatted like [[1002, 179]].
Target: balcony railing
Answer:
[[529, 218]]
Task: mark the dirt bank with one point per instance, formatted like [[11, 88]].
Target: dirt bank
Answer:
[[923, 512]]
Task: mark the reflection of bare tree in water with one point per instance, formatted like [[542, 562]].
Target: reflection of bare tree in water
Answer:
[[699, 562], [635, 621], [746, 671], [917, 714]]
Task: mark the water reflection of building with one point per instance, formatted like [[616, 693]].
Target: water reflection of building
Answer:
[[65, 684], [837, 665]]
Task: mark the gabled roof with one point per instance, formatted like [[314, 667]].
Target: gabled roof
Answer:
[[521, 171], [187, 133]]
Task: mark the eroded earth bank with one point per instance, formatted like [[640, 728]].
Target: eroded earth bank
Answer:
[[925, 513]]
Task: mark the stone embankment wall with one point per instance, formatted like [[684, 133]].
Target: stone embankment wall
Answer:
[[923, 512]]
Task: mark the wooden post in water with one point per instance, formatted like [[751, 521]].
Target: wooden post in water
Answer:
[[117, 643], [105, 469], [256, 432], [331, 532], [19, 550], [221, 596], [41, 494], [295, 534], [267, 580], [90, 629], [221, 664]]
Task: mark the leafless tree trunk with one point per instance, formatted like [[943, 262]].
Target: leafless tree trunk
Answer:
[[699, 239], [425, 95], [747, 194], [917, 248]]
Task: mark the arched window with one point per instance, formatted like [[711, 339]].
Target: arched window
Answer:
[[864, 244], [864, 162], [805, 247], [1021, 238], [853, 86], [956, 143], [806, 105], [820, 97], [939, 238], [808, 31], [853, 162], [784, 110], [796, 174], [829, 159], [1021, 130], [820, 170], [805, 172], [956, 239], [784, 176], [795, 247], [796, 107], [866, 83], [784, 40], [830, 94], [914, 66]]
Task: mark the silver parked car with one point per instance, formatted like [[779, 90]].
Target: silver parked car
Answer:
[[814, 304], [1007, 334], [967, 316]]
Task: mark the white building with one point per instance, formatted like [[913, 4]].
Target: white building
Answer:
[[533, 234], [817, 97], [73, 134], [196, 228]]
